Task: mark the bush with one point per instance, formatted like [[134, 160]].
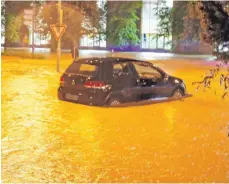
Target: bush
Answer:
[[23, 54]]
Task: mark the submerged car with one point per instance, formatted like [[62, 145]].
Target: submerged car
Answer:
[[112, 81]]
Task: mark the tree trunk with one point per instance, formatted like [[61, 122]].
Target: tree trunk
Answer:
[[75, 50]]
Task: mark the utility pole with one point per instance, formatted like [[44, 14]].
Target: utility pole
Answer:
[[58, 30], [33, 29], [59, 41]]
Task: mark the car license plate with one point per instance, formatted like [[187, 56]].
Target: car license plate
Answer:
[[72, 97]]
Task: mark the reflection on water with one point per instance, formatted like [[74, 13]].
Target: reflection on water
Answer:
[[46, 140], [170, 112]]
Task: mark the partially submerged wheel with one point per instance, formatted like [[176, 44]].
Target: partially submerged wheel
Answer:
[[114, 102], [177, 94]]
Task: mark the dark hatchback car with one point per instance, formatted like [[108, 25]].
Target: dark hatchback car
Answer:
[[111, 81]]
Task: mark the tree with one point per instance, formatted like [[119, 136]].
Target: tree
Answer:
[[100, 21], [12, 32], [79, 17], [122, 29], [216, 21], [179, 11], [12, 20], [164, 17], [3, 18], [192, 27]]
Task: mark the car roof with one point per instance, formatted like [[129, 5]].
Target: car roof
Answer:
[[106, 59]]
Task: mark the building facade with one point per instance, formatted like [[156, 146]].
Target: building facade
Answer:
[[149, 26], [148, 30]]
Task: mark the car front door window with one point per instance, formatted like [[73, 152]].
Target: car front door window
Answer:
[[146, 71]]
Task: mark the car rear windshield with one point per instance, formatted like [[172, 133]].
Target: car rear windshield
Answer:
[[88, 70]]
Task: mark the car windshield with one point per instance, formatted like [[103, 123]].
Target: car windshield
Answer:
[[88, 70]]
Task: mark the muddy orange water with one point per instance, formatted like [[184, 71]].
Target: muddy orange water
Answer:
[[46, 140]]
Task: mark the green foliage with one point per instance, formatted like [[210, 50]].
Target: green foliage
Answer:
[[179, 11], [3, 18], [122, 26], [79, 16], [164, 15], [12, 19], [99, 21], [13, 27]]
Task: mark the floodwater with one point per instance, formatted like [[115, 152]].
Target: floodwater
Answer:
[[46, 140]]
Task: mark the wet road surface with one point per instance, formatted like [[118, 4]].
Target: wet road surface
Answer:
[[46, 140]]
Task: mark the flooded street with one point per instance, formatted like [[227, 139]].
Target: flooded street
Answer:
[[46, 140]]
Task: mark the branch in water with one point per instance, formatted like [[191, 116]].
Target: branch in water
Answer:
[[206, 82], [224, 95]]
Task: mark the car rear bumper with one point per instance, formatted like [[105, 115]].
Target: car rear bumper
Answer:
[[96, 99]]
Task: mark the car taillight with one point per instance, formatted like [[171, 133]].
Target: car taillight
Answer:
[[62, 80], [94, 84]]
